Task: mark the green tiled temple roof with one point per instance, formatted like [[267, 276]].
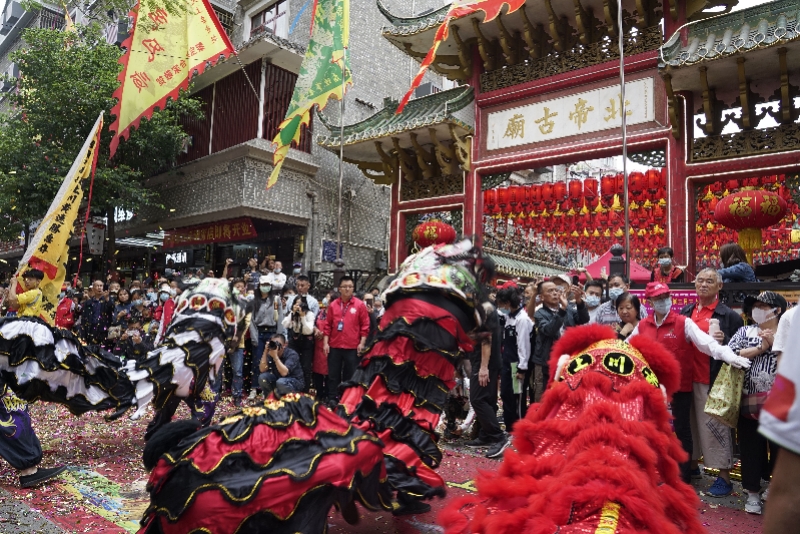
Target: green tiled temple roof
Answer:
[[514, 265], [763, 26], [412, 25], [420, 112]]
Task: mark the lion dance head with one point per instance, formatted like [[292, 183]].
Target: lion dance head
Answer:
[[598, 454]]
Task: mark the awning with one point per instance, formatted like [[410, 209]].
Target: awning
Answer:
[[513, 265]]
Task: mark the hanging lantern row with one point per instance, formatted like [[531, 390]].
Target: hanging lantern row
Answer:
[[731, 210], [591, 193], [586, 215]]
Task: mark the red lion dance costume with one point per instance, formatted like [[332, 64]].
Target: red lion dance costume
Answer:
[[280, 467], [597, 455]]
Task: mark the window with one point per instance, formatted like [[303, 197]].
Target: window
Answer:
[[225, 19], [273, 19]]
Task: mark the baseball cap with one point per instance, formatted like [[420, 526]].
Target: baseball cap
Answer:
[[656, 289]]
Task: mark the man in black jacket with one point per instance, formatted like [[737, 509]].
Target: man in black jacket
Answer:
[[712, 440], [547, 323]]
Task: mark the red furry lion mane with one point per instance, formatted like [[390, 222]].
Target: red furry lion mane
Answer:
[[597, 450]]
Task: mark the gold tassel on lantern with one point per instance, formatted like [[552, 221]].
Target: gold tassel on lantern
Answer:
[[750, 240], [795, 232]]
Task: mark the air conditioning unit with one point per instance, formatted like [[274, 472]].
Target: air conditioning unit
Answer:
[[10, 76], [14, 11], [426, 89], [122, 31]]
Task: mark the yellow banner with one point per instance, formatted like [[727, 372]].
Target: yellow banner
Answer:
[[48, 251], [164, 49]]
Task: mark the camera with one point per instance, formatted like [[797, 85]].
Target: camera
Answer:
[[272, 345]]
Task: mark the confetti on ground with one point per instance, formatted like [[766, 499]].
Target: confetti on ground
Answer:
[[104, 489]]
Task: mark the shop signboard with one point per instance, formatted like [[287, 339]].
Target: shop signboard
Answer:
[[228, 231], [588, 112], [95, 237]]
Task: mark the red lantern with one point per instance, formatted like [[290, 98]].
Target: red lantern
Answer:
[[489, 201], [748, 211], [636, 183], [559, 191], [575, 190], [503, 200], [536, 194], [654, 181], [590, 188], [514, 195], [433, 232], [619, 184], [608, 185], [771, 179], [547, 193], [527, 197]]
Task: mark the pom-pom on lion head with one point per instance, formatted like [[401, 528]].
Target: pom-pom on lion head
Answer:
[[596, 349]]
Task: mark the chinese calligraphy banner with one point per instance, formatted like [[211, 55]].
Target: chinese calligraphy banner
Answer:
[[325, 73], [48, 250], [458, 9], [219, 232], [592, 111], [163, 51]]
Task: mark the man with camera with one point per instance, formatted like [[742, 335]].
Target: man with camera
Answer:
[[280, 368]]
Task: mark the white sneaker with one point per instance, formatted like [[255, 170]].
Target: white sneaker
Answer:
[[765, 494], [252, 395], [753, 504]]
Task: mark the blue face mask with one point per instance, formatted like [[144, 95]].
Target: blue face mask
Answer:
[[151, 295], [164, 297], [61, 295], [592, 301], [502, 311], [137, 302], [662, 306], [665, 262], [615, 292]]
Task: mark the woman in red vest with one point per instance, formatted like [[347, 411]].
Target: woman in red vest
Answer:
[[682, 336]]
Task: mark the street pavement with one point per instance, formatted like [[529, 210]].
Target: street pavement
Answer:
[[104, 489]]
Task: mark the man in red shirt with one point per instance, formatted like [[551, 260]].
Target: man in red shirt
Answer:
[[346, 330], [685, 339], [65, 312], [711, 439]]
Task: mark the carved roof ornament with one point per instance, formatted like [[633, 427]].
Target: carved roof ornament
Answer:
[[429, 139]]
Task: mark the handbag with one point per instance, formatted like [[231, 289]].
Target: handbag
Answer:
[[725, 397], [752, 403]]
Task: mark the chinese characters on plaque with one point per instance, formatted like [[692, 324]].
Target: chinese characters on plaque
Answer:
[[591, 111], [221, 232]]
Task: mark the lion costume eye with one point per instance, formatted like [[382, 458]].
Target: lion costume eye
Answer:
[[619, 363], [580, 362]]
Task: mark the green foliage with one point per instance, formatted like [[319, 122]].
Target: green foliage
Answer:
[[67, 80]]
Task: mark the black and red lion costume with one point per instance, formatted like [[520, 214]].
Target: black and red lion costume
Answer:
[[597, 455]]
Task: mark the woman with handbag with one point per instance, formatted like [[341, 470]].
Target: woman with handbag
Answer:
[[755, 343]]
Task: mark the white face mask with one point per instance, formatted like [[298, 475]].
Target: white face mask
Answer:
[[592, 301], [662, 306], [761, 316]]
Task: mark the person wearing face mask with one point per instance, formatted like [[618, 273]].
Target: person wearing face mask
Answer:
[[607, 313], [65, 312], [297, 270], [275, 277], [756, 343], [96, 315], [666, 271], [165, 309], [683, 337], [266, 315], [515, 352], [593, 298]]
